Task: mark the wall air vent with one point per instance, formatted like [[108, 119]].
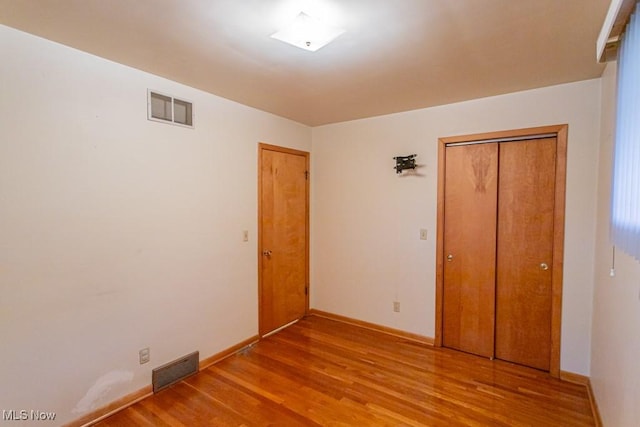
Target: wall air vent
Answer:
[[167, 109], [175, 371]]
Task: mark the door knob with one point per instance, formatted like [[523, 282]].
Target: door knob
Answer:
[[449, 257], [267, 253], [544, 266]]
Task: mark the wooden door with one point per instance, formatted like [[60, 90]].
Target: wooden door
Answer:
[[470, 200], [529, 245], [526, 197], [283, 241]]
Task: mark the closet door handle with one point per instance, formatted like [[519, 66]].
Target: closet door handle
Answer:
[[449, 258], [544, 266]]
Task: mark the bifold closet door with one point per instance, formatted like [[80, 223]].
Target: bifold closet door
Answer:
[[526, 200], [471, 179]]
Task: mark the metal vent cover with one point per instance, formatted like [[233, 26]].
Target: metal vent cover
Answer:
[[177, 370]]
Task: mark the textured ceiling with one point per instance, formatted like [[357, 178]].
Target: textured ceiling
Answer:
[[395, 55]]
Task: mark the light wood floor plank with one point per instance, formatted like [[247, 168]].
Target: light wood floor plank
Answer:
[[323, 372]]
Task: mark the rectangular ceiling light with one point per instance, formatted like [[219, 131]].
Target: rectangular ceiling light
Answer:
[[307, 33]]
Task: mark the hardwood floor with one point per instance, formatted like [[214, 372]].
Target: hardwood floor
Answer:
[[323, 372]]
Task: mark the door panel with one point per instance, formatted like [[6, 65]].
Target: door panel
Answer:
[[525, 252], [470, 238], [283, 235]]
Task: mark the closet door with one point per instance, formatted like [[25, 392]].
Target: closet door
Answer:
[[470, 248], [526, 195]]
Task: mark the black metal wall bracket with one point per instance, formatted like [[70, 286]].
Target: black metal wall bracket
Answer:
[[405, 162]]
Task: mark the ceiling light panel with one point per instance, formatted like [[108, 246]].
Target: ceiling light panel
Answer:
[[307, 33]]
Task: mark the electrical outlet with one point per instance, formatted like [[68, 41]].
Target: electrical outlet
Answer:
[[245, 235], [144, 355], [423, 234], [396, 306]]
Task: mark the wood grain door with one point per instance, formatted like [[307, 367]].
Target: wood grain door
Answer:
[[529, 245], [526, 197], [470, 200], [283, 236]]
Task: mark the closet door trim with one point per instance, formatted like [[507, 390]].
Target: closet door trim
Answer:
[[560, 131]]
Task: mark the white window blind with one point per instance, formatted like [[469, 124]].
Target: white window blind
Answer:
[[625, 209]]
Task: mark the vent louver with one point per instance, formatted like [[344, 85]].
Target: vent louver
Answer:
[[175, 371], [168, 109]]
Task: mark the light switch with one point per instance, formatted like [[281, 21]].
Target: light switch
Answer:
[[423, 234], [245, 235]]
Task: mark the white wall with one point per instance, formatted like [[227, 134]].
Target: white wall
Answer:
[[615, 372], [118, 233], [366, 220]]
